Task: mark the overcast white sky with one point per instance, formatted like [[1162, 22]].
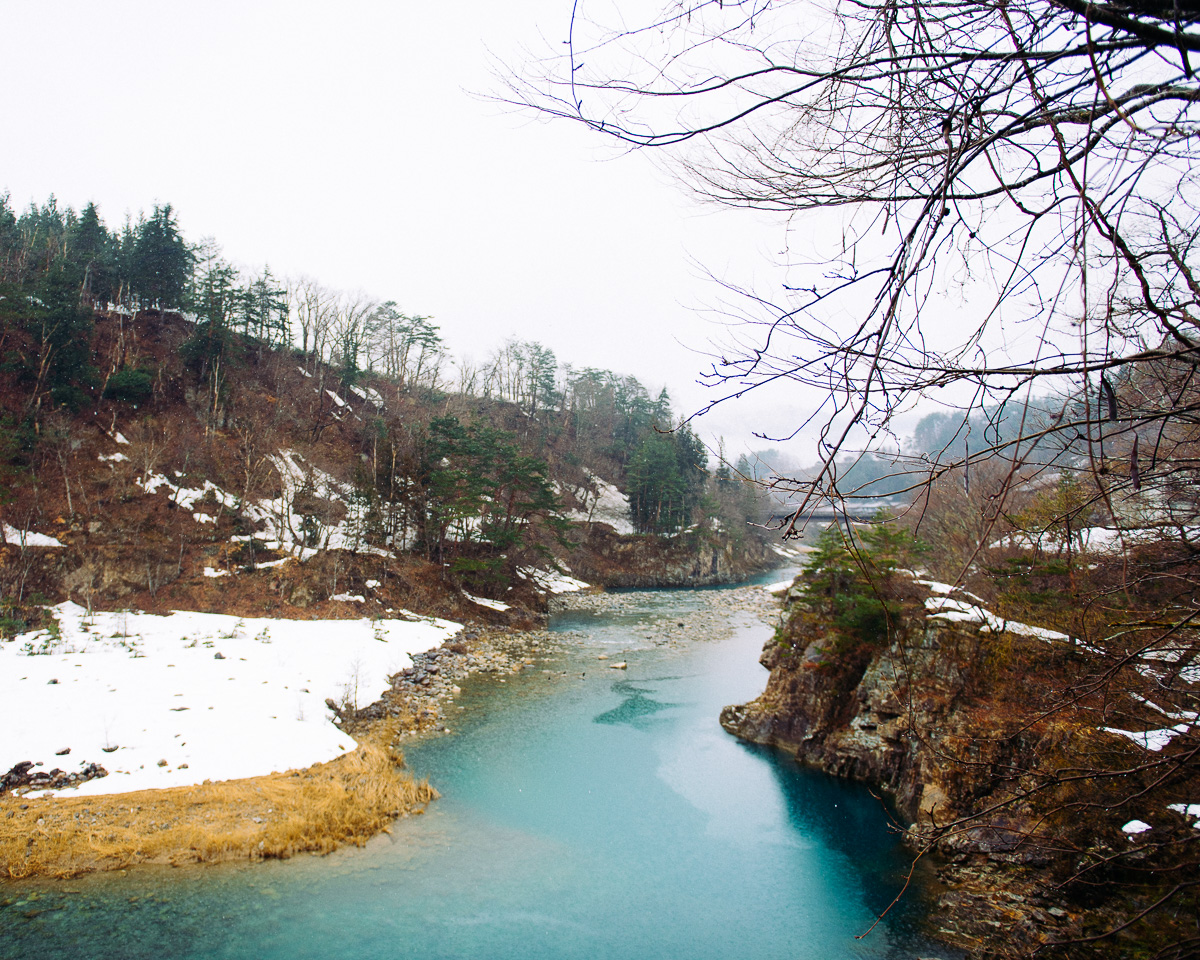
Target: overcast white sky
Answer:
[[347, 141]]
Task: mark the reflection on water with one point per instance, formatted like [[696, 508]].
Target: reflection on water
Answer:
[[636, 709], [582, 816]]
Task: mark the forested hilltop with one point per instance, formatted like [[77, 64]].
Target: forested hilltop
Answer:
[[169, 421]]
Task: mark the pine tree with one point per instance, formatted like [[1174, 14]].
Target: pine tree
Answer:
[[162, 263], [91, 255]]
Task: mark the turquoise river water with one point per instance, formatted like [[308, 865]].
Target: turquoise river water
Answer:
[[590, 813]]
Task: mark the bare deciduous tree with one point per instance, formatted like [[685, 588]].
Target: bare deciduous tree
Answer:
[[1039, 154], [1006, 191]]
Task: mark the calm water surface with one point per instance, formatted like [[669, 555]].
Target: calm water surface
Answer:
[[588, 814]]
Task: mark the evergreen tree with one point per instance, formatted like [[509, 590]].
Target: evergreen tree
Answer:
[[216, 299], [665, 480], [162, 263], [60, 330], [91, 256]]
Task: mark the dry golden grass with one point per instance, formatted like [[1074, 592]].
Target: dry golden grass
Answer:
[[347, 800]]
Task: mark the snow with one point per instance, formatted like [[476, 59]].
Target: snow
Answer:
[[1100, 538], [1169, 654], [113, 457], [186, 497], [780, 588], [947, 608], [1094, 539], [605, 504], [152, 687], [27, 538], [484, 602], [1188, 810], [1170, 714], [1153, 740], [1136, 826], [213, 572], [120, 438], [551, 581], [268, 564], [349, 598], [370, 394], [942, 588], [335, 398], [283, 529], [305, 372], [203, 518]]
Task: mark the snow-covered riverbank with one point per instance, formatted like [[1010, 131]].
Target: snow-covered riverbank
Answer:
[[216, 697]]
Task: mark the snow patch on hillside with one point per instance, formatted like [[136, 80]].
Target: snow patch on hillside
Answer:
[[282, 527], [960, 611], [603, 503], [27, 538], [217, 697], [1152, 740], [552, 581]]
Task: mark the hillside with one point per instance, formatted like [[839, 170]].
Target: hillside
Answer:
[[1038, 751], [211, 552], [283, 489]]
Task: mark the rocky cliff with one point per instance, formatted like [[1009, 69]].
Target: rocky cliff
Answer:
[[964, 729], [699, 557]]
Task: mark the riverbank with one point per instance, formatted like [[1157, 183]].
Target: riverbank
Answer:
[[344, 801], [586, 811]]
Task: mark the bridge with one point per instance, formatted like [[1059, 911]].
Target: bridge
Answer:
[[860, 510]]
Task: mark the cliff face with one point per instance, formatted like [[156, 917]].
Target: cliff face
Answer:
[[937, 720], [894, 716], [697, 558]]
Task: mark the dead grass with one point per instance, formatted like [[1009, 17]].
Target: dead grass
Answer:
[[347, 800]]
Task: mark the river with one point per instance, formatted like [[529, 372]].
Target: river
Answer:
[[587, 812]]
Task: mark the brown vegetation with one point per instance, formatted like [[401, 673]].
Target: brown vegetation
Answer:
[[347, 800]]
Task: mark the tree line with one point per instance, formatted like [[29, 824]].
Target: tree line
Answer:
[[60, 268]]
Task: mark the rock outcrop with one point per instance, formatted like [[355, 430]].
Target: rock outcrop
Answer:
[[696, 558], [25, 775], [930, 718]]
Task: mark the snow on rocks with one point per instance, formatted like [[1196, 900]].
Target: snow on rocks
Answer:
[[185, 497], [604, 503], [27, 538], [370, 394], [218, 697], [282, 528], [484, 602], [552, 581], [960, 611], [1189, 810], [1134, 827], [1152, 740]]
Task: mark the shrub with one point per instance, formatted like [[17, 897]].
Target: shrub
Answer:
[[130, 386], [851, 579]]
